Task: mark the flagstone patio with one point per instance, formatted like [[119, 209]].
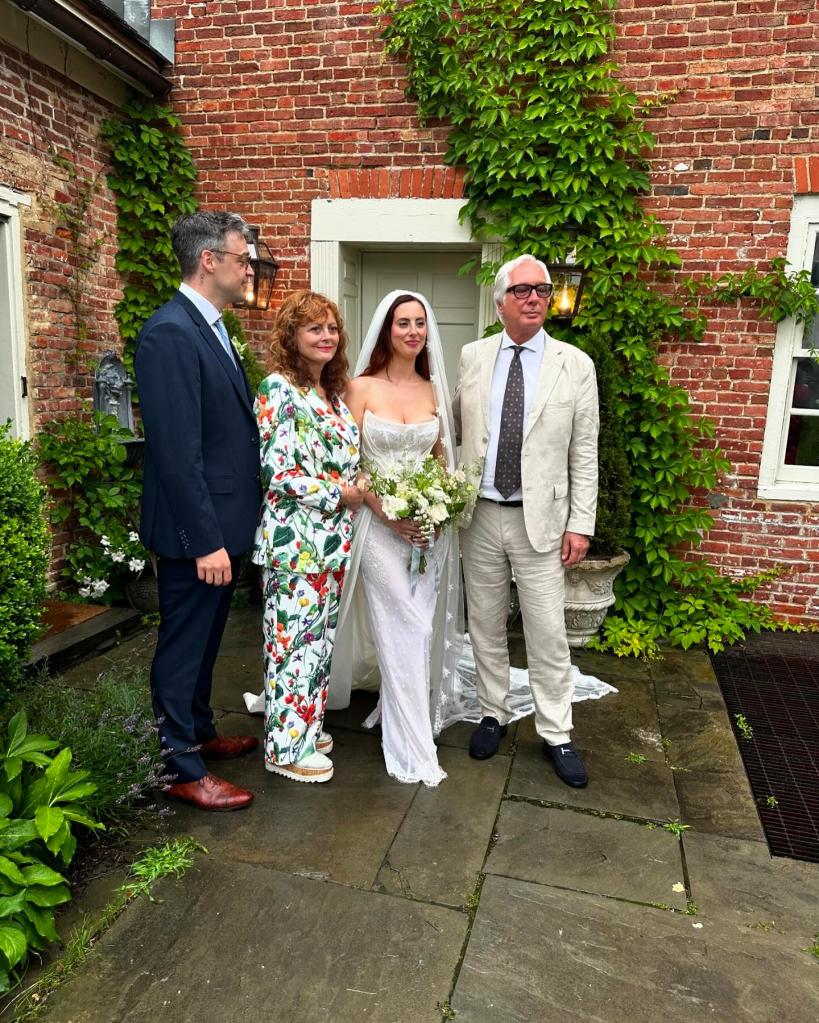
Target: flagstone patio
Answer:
[[501, 896]]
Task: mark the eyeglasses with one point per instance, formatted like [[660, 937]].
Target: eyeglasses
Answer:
[[525, 290], [242, 257]]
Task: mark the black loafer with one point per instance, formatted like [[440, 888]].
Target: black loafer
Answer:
[[484, 741], [568, 764]]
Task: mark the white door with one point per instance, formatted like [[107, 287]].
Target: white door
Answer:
[[454, 298]]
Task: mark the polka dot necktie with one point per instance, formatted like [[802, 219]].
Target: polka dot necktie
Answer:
[[510, 441]]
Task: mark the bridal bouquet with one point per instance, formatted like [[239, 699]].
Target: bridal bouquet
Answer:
[[426, 492]]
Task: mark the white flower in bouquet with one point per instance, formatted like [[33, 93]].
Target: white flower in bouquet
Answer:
[[425, 492], [438, 513], [117, 556], [136, 565], [394, 507], [133, 536]]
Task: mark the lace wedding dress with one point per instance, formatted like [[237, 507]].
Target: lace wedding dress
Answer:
[[400, 622]]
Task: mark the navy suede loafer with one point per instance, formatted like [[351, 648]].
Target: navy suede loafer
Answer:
[[484, 741], [568, 764]]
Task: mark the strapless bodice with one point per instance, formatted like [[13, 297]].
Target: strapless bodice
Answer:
[[386, 442]]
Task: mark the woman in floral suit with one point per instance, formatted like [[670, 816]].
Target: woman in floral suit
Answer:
[[309, 454]]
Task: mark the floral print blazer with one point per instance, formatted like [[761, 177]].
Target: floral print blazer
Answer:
[[309, 448]]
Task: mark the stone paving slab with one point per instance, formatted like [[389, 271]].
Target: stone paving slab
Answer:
[[279, 948], [740, 883], [440, 847], [718, 804], [645, 791], [588, 854], [620, 723], [537, 953], [686, 677], [700, 740], [340, 830]]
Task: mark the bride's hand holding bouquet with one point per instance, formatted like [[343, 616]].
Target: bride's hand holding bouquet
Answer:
[[421, 497]]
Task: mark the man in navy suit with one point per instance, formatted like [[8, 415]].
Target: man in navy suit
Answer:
[[201, 493]]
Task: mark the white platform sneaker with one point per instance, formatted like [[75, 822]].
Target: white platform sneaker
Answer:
[[316, 767]]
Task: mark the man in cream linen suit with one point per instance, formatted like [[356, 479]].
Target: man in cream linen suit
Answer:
[[526, 406]]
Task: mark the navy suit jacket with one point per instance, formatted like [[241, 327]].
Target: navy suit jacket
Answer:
[[201, 488]]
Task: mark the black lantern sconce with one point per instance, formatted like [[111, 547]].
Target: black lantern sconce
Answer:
[[567, 289], [265, 268]]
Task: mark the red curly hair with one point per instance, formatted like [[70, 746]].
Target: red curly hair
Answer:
[[298, 309]]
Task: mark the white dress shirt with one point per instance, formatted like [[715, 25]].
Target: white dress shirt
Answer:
[[208, 310], [531, 356]]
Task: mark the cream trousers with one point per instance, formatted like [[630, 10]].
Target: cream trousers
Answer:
[[493, 547]]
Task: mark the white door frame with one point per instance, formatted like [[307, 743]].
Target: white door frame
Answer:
[[397, 223], [11, 296]]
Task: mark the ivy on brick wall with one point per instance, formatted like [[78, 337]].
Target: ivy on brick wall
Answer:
[[556, 149], [153, 178]]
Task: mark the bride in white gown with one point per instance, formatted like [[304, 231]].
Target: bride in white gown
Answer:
[[387, 634]]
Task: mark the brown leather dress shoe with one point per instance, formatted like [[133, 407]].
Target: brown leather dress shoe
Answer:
[[228, 747], [211, 793]]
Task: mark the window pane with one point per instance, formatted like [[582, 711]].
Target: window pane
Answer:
[[806, 384], [802, 446]]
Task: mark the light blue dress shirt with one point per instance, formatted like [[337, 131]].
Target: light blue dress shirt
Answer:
[[531, 356], [210, 313]]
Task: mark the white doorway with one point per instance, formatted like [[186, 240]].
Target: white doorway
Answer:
[[455, 299], [360, 249]]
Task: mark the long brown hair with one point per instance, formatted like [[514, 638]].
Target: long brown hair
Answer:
[[382, 352], [298, 309]]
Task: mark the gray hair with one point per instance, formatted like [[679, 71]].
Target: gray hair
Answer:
[[193, 233], [505, 272]]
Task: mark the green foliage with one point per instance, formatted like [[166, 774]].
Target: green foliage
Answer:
[[676, 828], [635, 758], [153, 180], [40, 800], [252, 364], [556, 156], [94, 490], [780, 294], [744, 726], [24, 551], [171, 858], [113, 735]]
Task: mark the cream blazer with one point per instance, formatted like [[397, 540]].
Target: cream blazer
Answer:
[[559, 456]]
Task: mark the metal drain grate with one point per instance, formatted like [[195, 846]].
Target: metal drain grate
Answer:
[[773, 681]]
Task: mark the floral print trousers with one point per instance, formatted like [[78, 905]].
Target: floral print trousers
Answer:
[[299, 623]]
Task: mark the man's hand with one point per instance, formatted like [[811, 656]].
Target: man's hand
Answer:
[[574, 549], [214, 569]]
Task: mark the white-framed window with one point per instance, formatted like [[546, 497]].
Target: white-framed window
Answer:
[[789, 470], [13, 379]]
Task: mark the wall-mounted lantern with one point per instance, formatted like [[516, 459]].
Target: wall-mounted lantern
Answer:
[[265, 268], [567, 288]]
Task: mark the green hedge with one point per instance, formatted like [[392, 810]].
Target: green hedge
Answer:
[[25, 546]]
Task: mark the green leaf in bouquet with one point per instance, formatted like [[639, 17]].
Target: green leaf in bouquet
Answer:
[[43, 896]]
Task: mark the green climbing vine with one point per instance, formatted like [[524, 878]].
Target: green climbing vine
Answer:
[[70, 209], [555, 149], [153, 178]]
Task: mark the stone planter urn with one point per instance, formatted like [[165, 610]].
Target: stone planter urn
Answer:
[[589, 595], [142, 592]]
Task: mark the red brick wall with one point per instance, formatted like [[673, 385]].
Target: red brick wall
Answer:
[[284, 101], [42, 113], [724, 173]]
